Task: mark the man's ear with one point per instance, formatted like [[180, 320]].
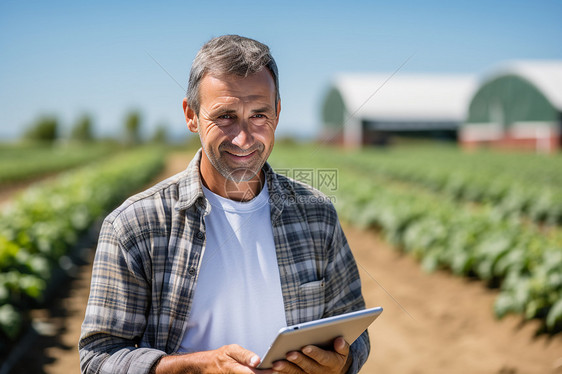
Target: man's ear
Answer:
[[278, 112], [190, 117]]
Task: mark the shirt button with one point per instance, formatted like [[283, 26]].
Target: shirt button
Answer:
[[200, 235], [192, 271]]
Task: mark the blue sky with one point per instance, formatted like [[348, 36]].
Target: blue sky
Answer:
[[67, 58]]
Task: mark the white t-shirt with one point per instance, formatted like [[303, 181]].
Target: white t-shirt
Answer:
[[238, 298]]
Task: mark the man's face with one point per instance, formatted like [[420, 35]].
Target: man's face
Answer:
[[236, 123]]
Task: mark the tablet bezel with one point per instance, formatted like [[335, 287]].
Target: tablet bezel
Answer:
[[320, 333]]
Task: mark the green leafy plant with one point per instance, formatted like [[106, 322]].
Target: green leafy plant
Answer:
[[430, 214], [41, 226]]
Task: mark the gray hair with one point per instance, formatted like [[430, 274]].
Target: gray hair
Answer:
[[229, 55]]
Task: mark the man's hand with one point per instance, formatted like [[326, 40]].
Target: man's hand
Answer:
[[313, 360], [227, 359]]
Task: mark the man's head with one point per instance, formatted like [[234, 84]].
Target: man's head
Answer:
[[229, 55], [233, 103]]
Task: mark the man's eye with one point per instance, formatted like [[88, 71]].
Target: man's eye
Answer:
[[226, 116], [259, 119]]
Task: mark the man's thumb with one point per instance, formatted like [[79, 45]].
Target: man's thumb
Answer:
[[244, 356]]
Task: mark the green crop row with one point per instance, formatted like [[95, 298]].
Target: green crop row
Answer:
[[25, 161], [516, 184], [443, 233], [523, 261], [42, 225]]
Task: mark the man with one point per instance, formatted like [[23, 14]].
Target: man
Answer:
[[198, 273]]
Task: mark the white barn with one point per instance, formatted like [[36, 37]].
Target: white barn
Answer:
[[365, 108]]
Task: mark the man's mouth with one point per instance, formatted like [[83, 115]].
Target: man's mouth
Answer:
[[241, 156]]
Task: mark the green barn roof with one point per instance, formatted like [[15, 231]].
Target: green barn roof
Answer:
[[523, 91]]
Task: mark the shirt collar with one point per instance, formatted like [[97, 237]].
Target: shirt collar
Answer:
[[191, 191], [277, 196]]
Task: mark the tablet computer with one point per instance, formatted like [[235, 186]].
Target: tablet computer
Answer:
[[321, 333]]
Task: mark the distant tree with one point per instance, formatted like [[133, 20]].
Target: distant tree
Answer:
[[132, 128], [82, 130], [45, 129], [160, 135]]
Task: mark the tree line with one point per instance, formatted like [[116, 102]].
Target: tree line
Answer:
[[47, 129]]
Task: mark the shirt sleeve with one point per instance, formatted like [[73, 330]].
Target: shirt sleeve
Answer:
[[343, 291], [116, 313]]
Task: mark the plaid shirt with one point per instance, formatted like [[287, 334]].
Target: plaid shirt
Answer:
[[148, 258]]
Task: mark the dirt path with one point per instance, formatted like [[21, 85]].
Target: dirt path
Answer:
[[432, 323], [438, 323]]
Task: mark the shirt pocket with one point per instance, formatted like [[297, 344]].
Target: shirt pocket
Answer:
[[311, 300]]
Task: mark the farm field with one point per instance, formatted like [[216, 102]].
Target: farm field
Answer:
[[22, 162], [433, 322], [468, 230], [41, 228]]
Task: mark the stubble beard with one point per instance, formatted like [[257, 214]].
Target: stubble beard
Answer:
[[243, 173]]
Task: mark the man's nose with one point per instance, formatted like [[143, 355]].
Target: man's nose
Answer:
[[243, 137]]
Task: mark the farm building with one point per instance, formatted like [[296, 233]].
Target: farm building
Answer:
[[518, 106], [368, 108]]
